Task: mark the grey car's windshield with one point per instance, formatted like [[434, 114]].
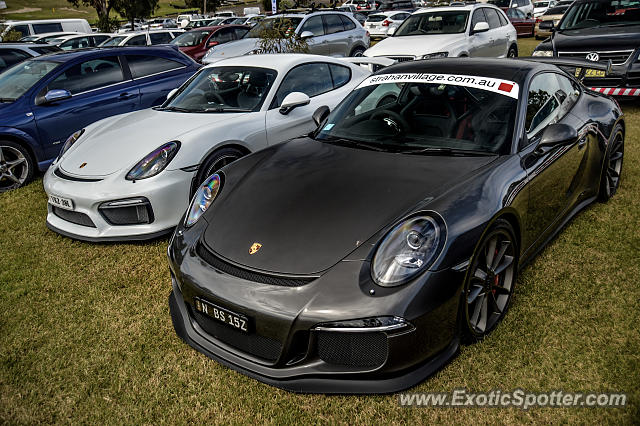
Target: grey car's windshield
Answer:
[[113, 41], [268, 24], [190, 38], [446, 22], [601, 14], [423, 118], [224, 89], [15, 81]]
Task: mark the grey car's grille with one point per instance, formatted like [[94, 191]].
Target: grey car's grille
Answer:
[[617, 57], [353, 349], [402, 58], [253, 344], [73, 217], [224, 266]]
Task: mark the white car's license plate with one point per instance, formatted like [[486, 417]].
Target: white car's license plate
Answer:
[[63, 203], [218, 313]]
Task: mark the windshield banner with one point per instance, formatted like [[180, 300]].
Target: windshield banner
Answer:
[[503, 87]]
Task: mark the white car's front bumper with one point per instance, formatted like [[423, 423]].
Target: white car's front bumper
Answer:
[[167, 195]]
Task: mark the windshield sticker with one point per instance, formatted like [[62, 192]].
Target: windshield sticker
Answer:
[[328, 126], [495, 85]]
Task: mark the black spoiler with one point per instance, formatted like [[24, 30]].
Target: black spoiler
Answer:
[[579, 68]]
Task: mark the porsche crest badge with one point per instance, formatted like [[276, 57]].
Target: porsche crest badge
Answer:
[[254, 248], [82, 165]]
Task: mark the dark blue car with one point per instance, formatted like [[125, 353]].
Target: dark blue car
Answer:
[[44, 100]]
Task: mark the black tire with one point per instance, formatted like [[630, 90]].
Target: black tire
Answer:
[[612, 166], [357, 51], [214, 162], [513, 52], [489, 283], [16, 166]]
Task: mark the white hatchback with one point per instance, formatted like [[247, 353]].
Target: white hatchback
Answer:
[[379, 23], [475, 29], [130, 177]]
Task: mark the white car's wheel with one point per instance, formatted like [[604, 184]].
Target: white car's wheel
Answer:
[[215, 162]]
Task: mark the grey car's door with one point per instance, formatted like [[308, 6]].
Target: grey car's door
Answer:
[[498, 34], [337, 36], [480, 44], [319, 42]]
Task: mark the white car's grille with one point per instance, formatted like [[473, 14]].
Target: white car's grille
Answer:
[[617, 56]]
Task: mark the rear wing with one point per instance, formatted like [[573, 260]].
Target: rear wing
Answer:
[[578, 68], [372, 64]]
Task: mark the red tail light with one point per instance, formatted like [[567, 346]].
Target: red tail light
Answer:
[[538, 20], [386, 23]]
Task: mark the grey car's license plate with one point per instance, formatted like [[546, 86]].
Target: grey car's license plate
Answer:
[[223, 315]]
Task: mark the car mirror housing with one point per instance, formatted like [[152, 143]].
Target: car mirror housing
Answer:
[[55, 95], [292, 101], [557, 135], [480, 27], [212, 43], [546, 25], [171, 93], [306, 34], [320, 115]]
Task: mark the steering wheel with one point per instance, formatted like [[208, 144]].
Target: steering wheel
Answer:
[[393, 119]]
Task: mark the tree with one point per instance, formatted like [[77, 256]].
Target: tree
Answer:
[[133, 9], [102, 7], [212, 5], [280, 37]]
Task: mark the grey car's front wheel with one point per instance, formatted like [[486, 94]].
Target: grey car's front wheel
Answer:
[[16, 166], [490, 282]]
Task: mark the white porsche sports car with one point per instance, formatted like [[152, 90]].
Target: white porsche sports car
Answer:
[[130, 177]]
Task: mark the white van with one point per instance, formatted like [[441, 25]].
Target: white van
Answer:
[[27, 28]]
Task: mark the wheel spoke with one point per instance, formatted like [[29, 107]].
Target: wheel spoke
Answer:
[[493, 303], [1, 154], [476, 312], [498, 259], [501, 290], [612, 181], [474, 293], [10, 176], [491, 251], [480, 274], [615, 157], [613, 172], [484, 314], [507, 261], [12, 164]]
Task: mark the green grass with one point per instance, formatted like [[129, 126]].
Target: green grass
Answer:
[[85, 332]]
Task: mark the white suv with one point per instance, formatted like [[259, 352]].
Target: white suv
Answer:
[[471, 30]]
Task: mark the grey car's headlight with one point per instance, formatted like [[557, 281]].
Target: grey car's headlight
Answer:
[[408, 249], [154, 162], [69, 142], [542, 53], [435, 55], [205, 195]]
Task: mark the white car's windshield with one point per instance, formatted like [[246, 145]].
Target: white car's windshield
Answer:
[[446, 22], [267, 24], [15, 81], [224, 89], [113, 41], [190, 38], [612, 13], [424, 118]]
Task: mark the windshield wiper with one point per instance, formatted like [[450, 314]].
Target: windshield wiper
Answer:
[[7, 99], [173, 108], [449, 152], [354, 143], [223, 109]]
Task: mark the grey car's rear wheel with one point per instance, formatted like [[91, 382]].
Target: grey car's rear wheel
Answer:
[[16, 166], [612, 167], [490, 282], [513, 52], [358, 51]]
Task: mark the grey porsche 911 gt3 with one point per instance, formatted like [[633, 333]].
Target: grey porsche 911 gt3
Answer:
[[357, 259]]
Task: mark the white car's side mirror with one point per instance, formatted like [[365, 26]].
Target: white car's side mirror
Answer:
[[306, 34], [293, 100], [480, 27], [171, 93]]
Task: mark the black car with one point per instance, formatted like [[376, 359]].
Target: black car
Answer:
[[600, 31], [358, 258]]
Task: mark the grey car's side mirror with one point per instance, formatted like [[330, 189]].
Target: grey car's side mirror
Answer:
[[55, 95], [480, 27], [320, 115], [306, 34], [558, 134], [292, 101]]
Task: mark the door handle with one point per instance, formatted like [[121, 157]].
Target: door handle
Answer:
[[126, 95]]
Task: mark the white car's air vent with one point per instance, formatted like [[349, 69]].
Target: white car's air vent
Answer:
[[617, 56], [402, 58]]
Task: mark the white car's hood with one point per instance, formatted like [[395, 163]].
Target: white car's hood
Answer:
[[122, 141], [417, 45], [231, 49]]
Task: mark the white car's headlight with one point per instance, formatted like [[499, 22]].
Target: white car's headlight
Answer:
[[542, 53], [69, 142], [435, 55], [154, 162], [408, 249], [205, 195]]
